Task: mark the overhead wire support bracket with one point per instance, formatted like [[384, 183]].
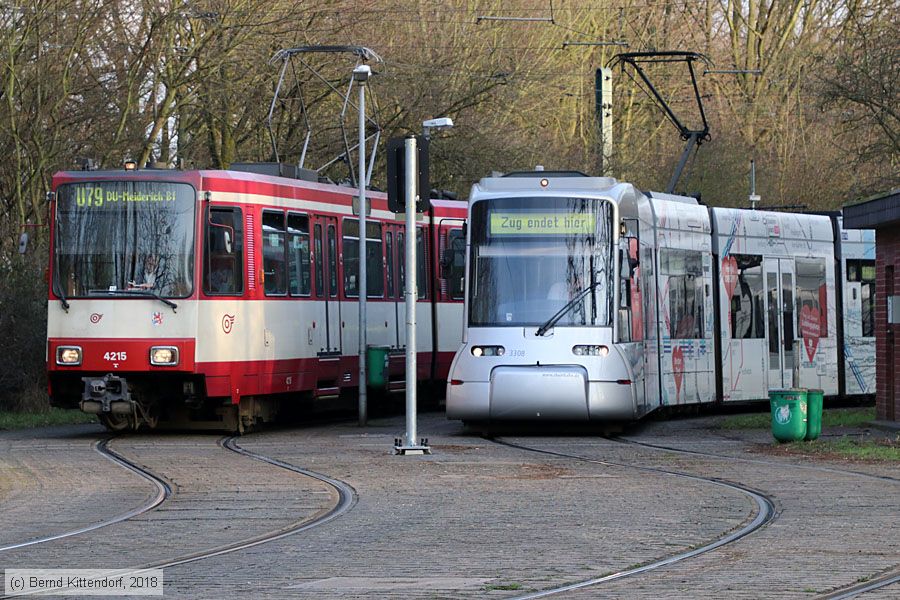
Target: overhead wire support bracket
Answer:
[[363, 55], [693, 137]]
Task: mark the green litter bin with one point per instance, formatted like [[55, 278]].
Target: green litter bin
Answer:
[[814, 401], [788, 414], [377, 365]]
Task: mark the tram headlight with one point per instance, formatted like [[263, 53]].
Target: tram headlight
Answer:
[[590, 350], [164, 356], [68, 355], [488, 350]]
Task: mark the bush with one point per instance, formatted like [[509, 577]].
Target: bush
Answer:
[[23, 329]]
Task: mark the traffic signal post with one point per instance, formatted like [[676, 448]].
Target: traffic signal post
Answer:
[[410, 184]]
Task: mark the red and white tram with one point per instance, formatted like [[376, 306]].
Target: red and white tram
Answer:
[[215, 296]]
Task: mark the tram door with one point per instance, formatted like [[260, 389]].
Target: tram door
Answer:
[[781, 321], [326, 253]]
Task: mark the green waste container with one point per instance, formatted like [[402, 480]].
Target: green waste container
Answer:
[[788, 414], [814, 401], [377, 365]]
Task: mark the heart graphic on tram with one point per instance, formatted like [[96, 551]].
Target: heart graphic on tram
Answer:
[[678, 368], [809, 329], [729, 274]]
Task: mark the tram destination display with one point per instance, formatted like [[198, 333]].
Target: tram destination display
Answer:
[[518, 223]]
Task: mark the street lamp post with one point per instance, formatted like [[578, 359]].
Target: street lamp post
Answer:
[[361, 75]]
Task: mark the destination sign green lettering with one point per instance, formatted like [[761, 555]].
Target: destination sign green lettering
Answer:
[[98, 196], [542, 223]]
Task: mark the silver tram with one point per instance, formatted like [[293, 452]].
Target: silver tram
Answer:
[[587, 299]]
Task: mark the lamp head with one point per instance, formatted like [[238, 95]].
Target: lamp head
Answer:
[[441, 123], [362, 73]]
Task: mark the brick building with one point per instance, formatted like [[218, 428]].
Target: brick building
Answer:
[[883, 215]]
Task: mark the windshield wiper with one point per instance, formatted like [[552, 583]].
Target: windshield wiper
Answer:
[[148, 293], [63, 300], [543, 329]]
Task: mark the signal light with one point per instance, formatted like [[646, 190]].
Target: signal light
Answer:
[[590, 350], [164, 356], [488, 351], [68, 355]]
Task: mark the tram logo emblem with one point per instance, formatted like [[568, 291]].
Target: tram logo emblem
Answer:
[[227, 323], [156, 318], [783, 415], [95, 317]]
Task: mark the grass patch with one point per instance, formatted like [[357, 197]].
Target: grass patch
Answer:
[[54, 416], [831, 417], [750, 421], [869, 449], [504, 587], [848, 417]]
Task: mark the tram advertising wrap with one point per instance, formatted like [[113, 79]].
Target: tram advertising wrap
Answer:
[[588, 299]]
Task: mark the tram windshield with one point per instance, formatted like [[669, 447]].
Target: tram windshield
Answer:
[[124, 236], [532, 256]]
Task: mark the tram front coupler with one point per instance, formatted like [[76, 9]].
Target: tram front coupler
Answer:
[[107, 394]]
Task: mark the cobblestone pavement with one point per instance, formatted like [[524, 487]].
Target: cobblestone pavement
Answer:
[[219, 497], [834, 527], [481, 520], [52, 480]]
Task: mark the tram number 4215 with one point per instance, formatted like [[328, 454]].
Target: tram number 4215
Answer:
[[115, 356]]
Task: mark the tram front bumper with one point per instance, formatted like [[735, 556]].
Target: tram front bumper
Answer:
[[106, 394], [556, 393], [553, 393]]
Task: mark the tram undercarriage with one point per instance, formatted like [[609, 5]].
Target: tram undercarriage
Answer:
[[124, 403]]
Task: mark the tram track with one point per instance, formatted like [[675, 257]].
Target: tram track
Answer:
[[347, 499], [891, 577], [162, 493], [765, 513], [858, 589], [851, 591]]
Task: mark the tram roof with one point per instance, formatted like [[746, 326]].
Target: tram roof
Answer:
[[545, 182]]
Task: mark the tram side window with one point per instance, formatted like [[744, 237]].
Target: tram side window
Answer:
[[863, 272], [273, 236], [454, 263], [389, 271], [320, 258], [298, 255], [683, 270], [747, 320], [812, 298], [374, 259], [223, 268]]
